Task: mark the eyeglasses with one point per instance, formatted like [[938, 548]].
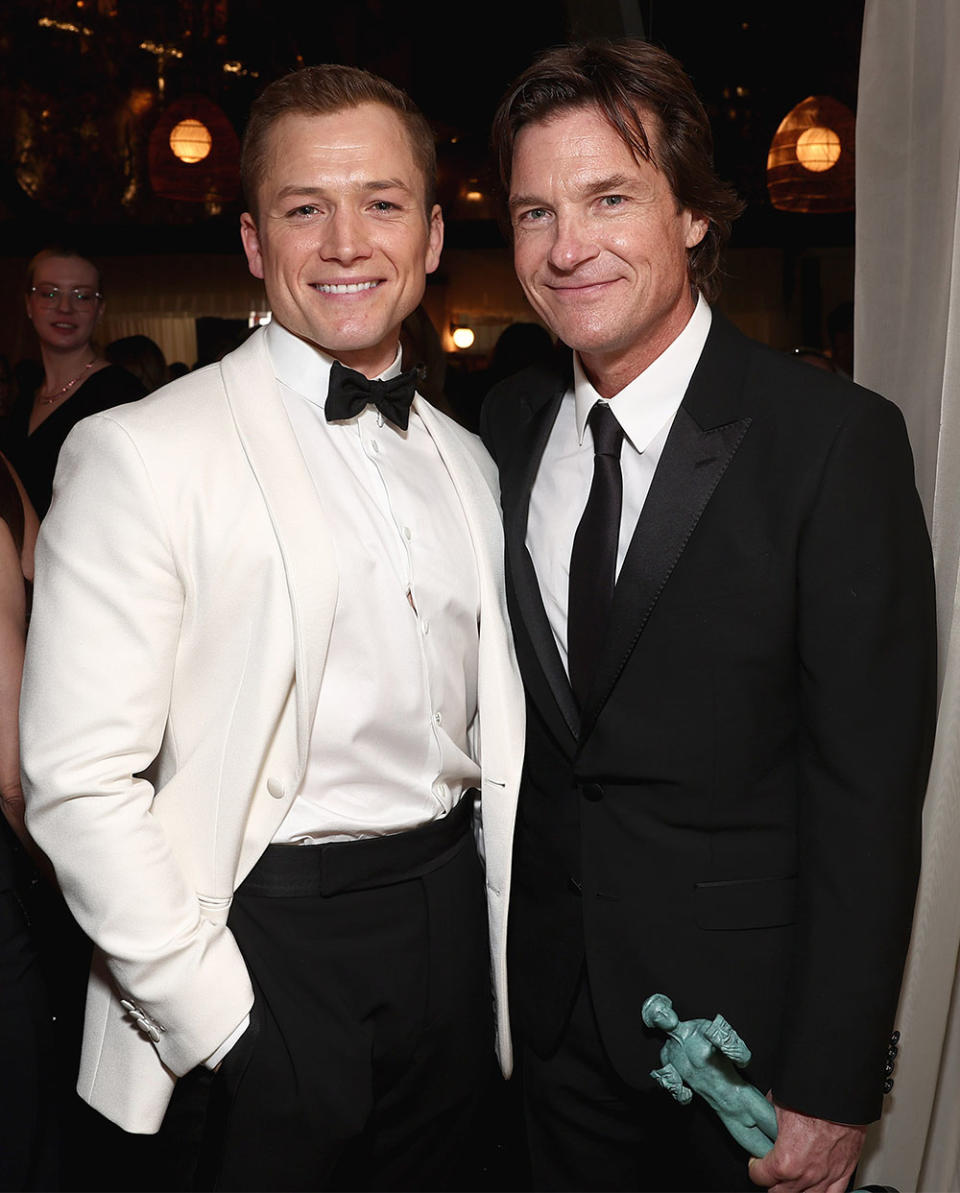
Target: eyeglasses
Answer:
[[49, 296]]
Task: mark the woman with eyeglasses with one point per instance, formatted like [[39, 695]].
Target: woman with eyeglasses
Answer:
[[64, 303]]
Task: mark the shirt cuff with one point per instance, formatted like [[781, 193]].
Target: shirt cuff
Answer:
[[216, 1057]]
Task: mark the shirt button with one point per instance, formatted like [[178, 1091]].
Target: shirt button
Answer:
[[425, 626], [438, 718], [407, 533], [276, 787], [375, 447]]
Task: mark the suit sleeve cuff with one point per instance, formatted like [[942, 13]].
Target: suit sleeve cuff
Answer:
[[217, 1056]]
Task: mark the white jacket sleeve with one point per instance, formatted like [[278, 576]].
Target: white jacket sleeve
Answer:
[[101, 656]]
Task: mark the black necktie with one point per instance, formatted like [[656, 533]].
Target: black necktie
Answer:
[[593, 560], [349, 391]]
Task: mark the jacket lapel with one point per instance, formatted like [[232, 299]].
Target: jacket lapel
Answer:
[[553, 692], [499, 692], [707, 431], [296, 513]]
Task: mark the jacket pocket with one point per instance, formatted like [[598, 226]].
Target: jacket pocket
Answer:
[[215, 908], [745, 903]]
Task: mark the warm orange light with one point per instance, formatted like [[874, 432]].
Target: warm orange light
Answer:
[[818, 148], [190, 141], [463, 337]]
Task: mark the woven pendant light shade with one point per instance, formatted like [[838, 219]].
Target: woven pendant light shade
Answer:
[[194, 154], [810, 166]]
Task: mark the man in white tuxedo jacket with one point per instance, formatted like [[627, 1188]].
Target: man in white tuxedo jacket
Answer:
[[270, 690]]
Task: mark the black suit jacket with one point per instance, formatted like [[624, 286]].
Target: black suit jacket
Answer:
[[734, 817]]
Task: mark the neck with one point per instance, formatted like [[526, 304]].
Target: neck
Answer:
[[370, 362], [611, 372], [61, 367]]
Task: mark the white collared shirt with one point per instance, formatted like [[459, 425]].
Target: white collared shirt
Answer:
[[645, 408], [389, 749]]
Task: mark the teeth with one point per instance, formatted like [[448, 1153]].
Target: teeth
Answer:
[[349, 288]]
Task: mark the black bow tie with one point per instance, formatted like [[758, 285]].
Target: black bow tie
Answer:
[[349, 391]]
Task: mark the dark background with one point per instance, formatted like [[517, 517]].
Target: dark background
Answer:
[[76, 109]]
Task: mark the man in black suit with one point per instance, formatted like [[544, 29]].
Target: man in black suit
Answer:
[[722, 595]]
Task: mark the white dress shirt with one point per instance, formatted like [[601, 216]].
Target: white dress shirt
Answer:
[[389, 749], [645, 408]]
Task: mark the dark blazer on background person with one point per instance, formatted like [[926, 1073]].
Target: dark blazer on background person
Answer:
[[734, 817]]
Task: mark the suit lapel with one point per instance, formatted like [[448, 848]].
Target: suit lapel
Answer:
[[499, 693], [298, 519], [555, 692], [707, 431]]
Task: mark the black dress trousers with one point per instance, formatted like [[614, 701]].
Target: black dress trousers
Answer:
[[371, 1038]]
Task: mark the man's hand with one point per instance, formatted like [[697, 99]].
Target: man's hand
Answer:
[[811, 1155]]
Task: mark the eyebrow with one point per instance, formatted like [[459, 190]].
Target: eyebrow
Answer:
[[363, 187], [597, 186]]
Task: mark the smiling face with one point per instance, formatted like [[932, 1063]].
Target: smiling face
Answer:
[[342, 239], [65, 324], [599, 245]]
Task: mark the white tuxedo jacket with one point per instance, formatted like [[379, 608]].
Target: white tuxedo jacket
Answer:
[[185, 590]]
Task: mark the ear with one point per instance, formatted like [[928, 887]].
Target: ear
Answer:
[[698, 228], [434, 239], [251, 244]]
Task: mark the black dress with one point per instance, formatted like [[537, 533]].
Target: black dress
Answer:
[[35, 456], [28, 1153]]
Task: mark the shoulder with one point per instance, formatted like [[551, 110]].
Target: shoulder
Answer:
[[789, 391], [514, 401], [525, 391], [175, 410]]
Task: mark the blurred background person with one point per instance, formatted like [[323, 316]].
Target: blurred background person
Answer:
[[518, 346], [64, 304], [142, 357], [28, 1154]]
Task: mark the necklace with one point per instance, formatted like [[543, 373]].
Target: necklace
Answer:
[[49, 400]]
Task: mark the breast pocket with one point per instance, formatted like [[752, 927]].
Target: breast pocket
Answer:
[[745, 903]]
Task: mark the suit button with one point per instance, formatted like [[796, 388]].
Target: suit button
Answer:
[[592, 791], [277, 788], [574, 887]]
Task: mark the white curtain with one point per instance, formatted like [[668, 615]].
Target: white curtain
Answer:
[[908, 348]]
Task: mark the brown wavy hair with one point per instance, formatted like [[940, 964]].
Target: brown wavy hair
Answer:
[[650, 103]]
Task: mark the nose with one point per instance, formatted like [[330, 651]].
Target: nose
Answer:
[[65, 301], [344, 237], [572, 244]]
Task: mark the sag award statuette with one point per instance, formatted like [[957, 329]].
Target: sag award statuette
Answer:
[[704, 1056]]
